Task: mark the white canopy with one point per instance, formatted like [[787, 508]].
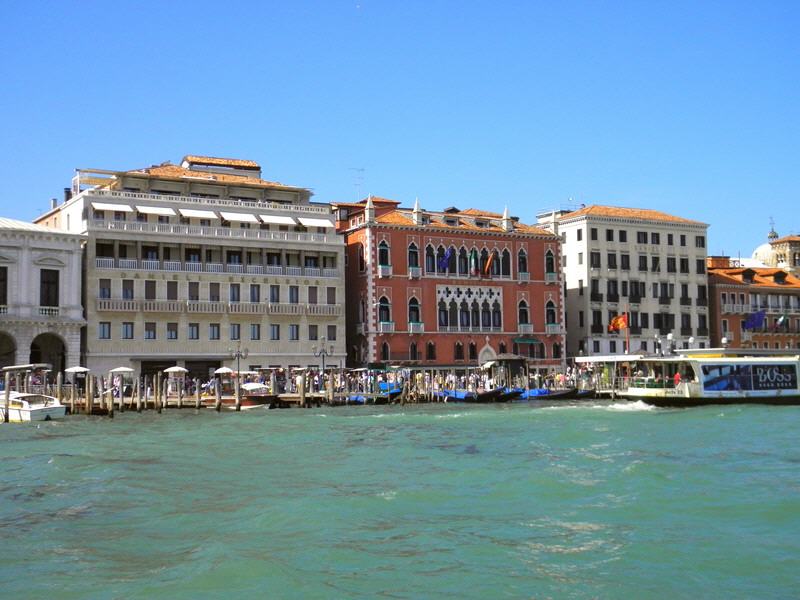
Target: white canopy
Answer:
[[223, 371], [193, 213], [114, 207], [155, 210], [253, 386], [121, 370], [309, 222], [176, 369], [76, 370], [239, 217], [278, 220]]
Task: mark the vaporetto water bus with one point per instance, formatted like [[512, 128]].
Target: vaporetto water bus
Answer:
[[699, 377]]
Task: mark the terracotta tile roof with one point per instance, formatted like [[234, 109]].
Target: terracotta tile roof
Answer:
[[394, 218], [762, 277], [786, 239], [404, 217], [646, 214], [476, 212], [180, 173], [221, 162]]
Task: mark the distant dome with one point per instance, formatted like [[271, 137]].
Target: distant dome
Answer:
[[763, 253]]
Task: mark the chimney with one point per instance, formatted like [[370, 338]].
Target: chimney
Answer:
[[53, 203], [369, 211], [67, 195]]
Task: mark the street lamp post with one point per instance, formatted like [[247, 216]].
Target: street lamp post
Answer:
[[238, 354], [322, 353]]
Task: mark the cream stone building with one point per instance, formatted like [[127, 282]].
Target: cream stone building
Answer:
[[40, 295], [192, 263], [641, 262]]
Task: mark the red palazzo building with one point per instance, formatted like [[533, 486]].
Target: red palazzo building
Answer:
[[454, 288]]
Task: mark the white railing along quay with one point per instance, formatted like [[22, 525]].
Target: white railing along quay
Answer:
[[132, 264]]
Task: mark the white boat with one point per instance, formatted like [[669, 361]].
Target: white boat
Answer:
[[695, 379], [31, 407]]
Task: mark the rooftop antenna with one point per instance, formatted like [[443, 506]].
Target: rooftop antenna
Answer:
[[358, 179]]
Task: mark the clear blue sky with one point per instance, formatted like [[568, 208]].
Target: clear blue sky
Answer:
[[691, 108]]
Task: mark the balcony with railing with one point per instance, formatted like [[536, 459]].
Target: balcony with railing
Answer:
[[596, 297], [612, 297], [247, 308], [664, 300], [414, 272], [384, 270], [49, 311], [130, 264], [209, 232], [525, 328], [211, 306], [361, 328], [116, 305], [386, 327], [3, 309], [702, 302], [523, 276], [324, 310], [702, 331], [552, 328], [598, 328], [634, 299], [416, 327], [685, 301], [162, 306], [686, 331], [635, 330], [551, 277], [285, 308]]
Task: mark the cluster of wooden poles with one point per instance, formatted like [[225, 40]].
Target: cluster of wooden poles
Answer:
[[149, 392]]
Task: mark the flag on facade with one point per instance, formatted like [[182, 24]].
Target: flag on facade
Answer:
[[444, 261], [618, 322], [473, 262], [780, 321], [488, 268], [755, 320]]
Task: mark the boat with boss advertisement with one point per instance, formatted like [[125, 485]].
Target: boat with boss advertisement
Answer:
[[700, 377]]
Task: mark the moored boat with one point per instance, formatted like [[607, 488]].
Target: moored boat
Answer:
[[23, 407]]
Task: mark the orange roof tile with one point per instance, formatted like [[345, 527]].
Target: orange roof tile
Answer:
[[476, 212], [404, 217], [180, 173], [647, 214], [221, 162], [762, 277], [786, 239]]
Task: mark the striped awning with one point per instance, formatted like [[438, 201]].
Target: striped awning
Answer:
[[238, 217], [155, 210], [114, 207], [193, 213], [309, 222], [278, 220]]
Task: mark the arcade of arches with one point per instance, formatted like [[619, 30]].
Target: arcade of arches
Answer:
[[46, 347]]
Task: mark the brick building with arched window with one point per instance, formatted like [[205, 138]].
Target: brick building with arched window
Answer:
[[453, 288]]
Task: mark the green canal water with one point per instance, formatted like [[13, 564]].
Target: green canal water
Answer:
[[522, 501]]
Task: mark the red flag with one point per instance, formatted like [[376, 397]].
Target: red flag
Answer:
[[618, 322], [488, 267]]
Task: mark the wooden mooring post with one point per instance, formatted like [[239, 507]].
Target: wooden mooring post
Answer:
[[197, 394], [238, 393], [88, 391], [138, 393], [7, 394], [60, 387], [217, 396], [72, 397], [157, 397]]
